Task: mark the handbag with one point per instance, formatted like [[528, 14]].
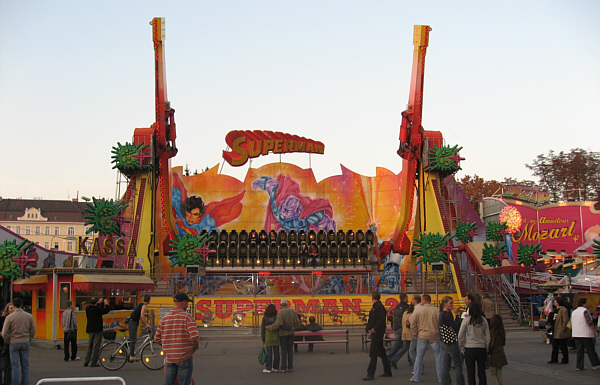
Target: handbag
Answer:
[[262, 356], [447, 334]]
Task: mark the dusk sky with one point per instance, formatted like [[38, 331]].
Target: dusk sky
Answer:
[[506, 80]]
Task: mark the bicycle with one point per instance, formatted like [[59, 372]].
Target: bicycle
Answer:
[[114, 354]]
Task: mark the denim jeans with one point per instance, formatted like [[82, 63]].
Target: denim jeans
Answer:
[[287, 352], [272, 357], [180, 371], [451, 353], [422, 345], [412, 352], [475, 359], [396, 357], [397, 343], [19, 356]]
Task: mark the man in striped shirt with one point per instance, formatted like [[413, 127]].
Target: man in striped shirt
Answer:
[[178, 334]]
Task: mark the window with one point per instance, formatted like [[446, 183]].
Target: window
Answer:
[[8, 227], [41, 299], [47, 230], [71, 231], [65, 294], [56, 230], [69, 246], [55, 245], [27, 230], [37, 230], [46, 245], [18, 230]]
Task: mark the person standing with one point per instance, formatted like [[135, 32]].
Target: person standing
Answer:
[[19, 330], [139, 313], [286, 322], [412, 352], [270, 339], [426, 321], [584, 332], [376, 325], [407, 334], [178, 334], [5, 358], [474, 339], [94, 313], [449, 322], [398, 350], [69, 324], [561, 333], [497, 356], [486, 304]]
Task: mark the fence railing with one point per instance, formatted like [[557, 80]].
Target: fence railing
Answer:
[[323, 283]]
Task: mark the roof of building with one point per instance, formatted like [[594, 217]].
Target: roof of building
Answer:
[[54, 210]]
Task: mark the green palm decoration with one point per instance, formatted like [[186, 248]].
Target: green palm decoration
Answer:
[[465, 231], [444, 159], [427, 248], [128, 157], [494, 230], [183, 250], [8, 251], [103, 216], [527, 253], [493, 254]]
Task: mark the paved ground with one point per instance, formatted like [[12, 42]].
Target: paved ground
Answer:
[[233, 361]]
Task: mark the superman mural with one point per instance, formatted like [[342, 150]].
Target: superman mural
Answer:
[[192, 215], [288, 209]]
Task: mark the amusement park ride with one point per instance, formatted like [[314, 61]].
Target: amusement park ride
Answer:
[[436, 228]]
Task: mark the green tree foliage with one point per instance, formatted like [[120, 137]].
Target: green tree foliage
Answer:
[[568, 176]]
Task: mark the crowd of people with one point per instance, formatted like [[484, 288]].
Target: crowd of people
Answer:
[[565, 326], [454, 337]]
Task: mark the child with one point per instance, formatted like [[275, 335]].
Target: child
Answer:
[[497, 356]]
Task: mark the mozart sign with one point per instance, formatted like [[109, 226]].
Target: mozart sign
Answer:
[[252, 144]]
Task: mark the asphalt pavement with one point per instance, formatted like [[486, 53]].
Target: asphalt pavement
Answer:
[[233, 360]]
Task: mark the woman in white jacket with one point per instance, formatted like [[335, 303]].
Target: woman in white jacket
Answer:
[[474, 339]]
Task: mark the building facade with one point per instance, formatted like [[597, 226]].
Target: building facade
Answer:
[[52, 224]]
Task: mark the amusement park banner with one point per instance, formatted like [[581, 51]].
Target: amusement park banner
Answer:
[[284, 196], [248, 311], [567, 227]]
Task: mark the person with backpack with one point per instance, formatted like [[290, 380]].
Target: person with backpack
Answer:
[[398, 349]]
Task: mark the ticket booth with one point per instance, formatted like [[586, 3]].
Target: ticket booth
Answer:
[[51, 289]]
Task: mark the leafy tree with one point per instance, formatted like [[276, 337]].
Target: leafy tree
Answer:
[[569, 176]]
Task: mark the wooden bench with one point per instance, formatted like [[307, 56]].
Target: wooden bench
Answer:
[[366, 338], [340, 336]]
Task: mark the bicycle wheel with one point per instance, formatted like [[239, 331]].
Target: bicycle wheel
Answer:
[[113, 355], [153, 356]]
